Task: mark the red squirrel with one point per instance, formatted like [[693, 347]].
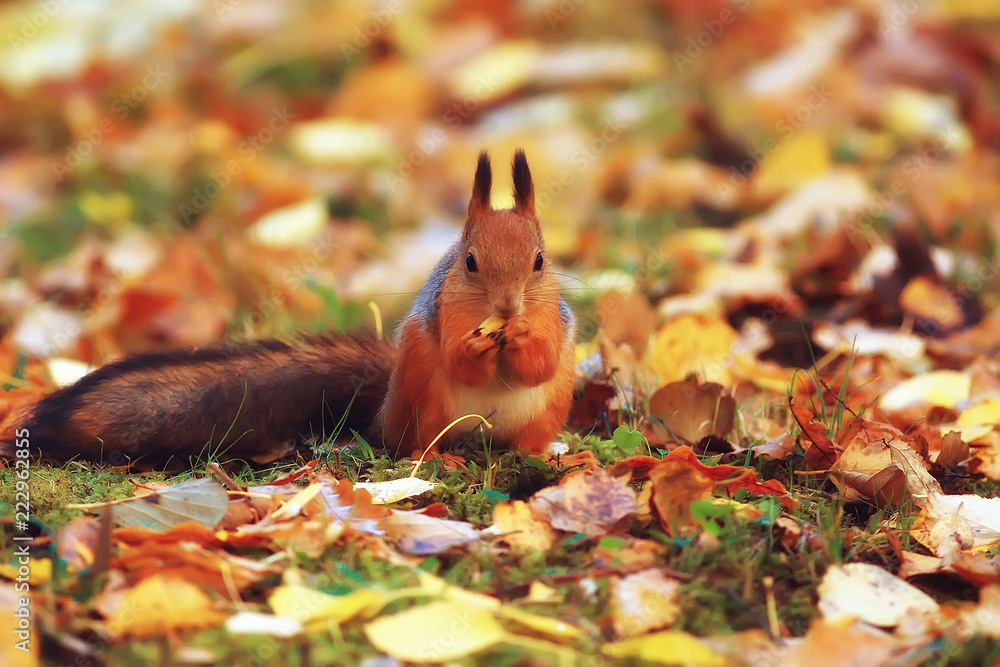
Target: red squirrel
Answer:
[[256, 400]]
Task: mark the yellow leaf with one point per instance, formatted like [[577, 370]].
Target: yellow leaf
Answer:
[[978, 419], [497, 72], [794, 162], [292, 225], [294, 505], [915, 114], [309, 606], [539, 592], [161, 605], [39, 571], [436, 632], [489, 325], [694, 343], [108, 210], [668, 648], [967, 10], [554, 628], [437, 586], [944, 388], [520, 528]]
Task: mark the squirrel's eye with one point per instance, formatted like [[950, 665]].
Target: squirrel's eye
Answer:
[[470, 263], [538, 262]]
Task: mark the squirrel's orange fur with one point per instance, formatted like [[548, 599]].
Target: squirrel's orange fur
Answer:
[[253, 401]]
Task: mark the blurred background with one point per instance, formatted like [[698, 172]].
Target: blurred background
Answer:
[[173, 172]]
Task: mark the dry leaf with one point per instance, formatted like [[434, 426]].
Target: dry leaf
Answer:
[[669, 648], [644, 601], [315, 609], [202, 501], [860, 591], [696, 344], [436, 632], [688, 412], [421, 535], [392, 491], [592, 503], [516, 525], [162, 605]]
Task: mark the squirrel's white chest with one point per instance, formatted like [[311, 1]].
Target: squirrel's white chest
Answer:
[[507, 409]]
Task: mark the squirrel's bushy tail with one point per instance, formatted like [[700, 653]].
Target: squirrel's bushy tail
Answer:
[[252, 401]]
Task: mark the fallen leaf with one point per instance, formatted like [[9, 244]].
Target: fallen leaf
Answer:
[[392, 491], [843, 643], [694, 343], [644, 601], [688, 412], [315, 609], [592, 503], [860, 591], [676, 484], [669, 648], [945, 388], [201, 501], [163, 605], [421, 535], [948, 524], [77, 543], [436, 632], [516, 525]]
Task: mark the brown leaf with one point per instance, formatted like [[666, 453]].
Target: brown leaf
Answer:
[[676, 484], [821, 451], [954, 450], [592, 503], [688, 412]]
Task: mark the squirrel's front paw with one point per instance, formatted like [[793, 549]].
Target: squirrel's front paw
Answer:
[[479, 346], [516, 333]]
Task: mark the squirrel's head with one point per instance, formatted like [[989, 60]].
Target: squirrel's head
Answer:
[[502, 251]]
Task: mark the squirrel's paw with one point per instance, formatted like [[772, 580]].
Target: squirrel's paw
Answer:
[[478, 346], [516, 333]]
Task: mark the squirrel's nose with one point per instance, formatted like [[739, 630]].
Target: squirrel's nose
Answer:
[[508, 307]]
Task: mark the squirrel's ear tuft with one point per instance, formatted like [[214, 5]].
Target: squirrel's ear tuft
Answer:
[[524, 190], [480, 202]]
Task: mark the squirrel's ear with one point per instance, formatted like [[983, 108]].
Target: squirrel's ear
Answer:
[[480, 202], [524, 190]]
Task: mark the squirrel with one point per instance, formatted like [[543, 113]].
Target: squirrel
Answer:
[[488, 334]]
